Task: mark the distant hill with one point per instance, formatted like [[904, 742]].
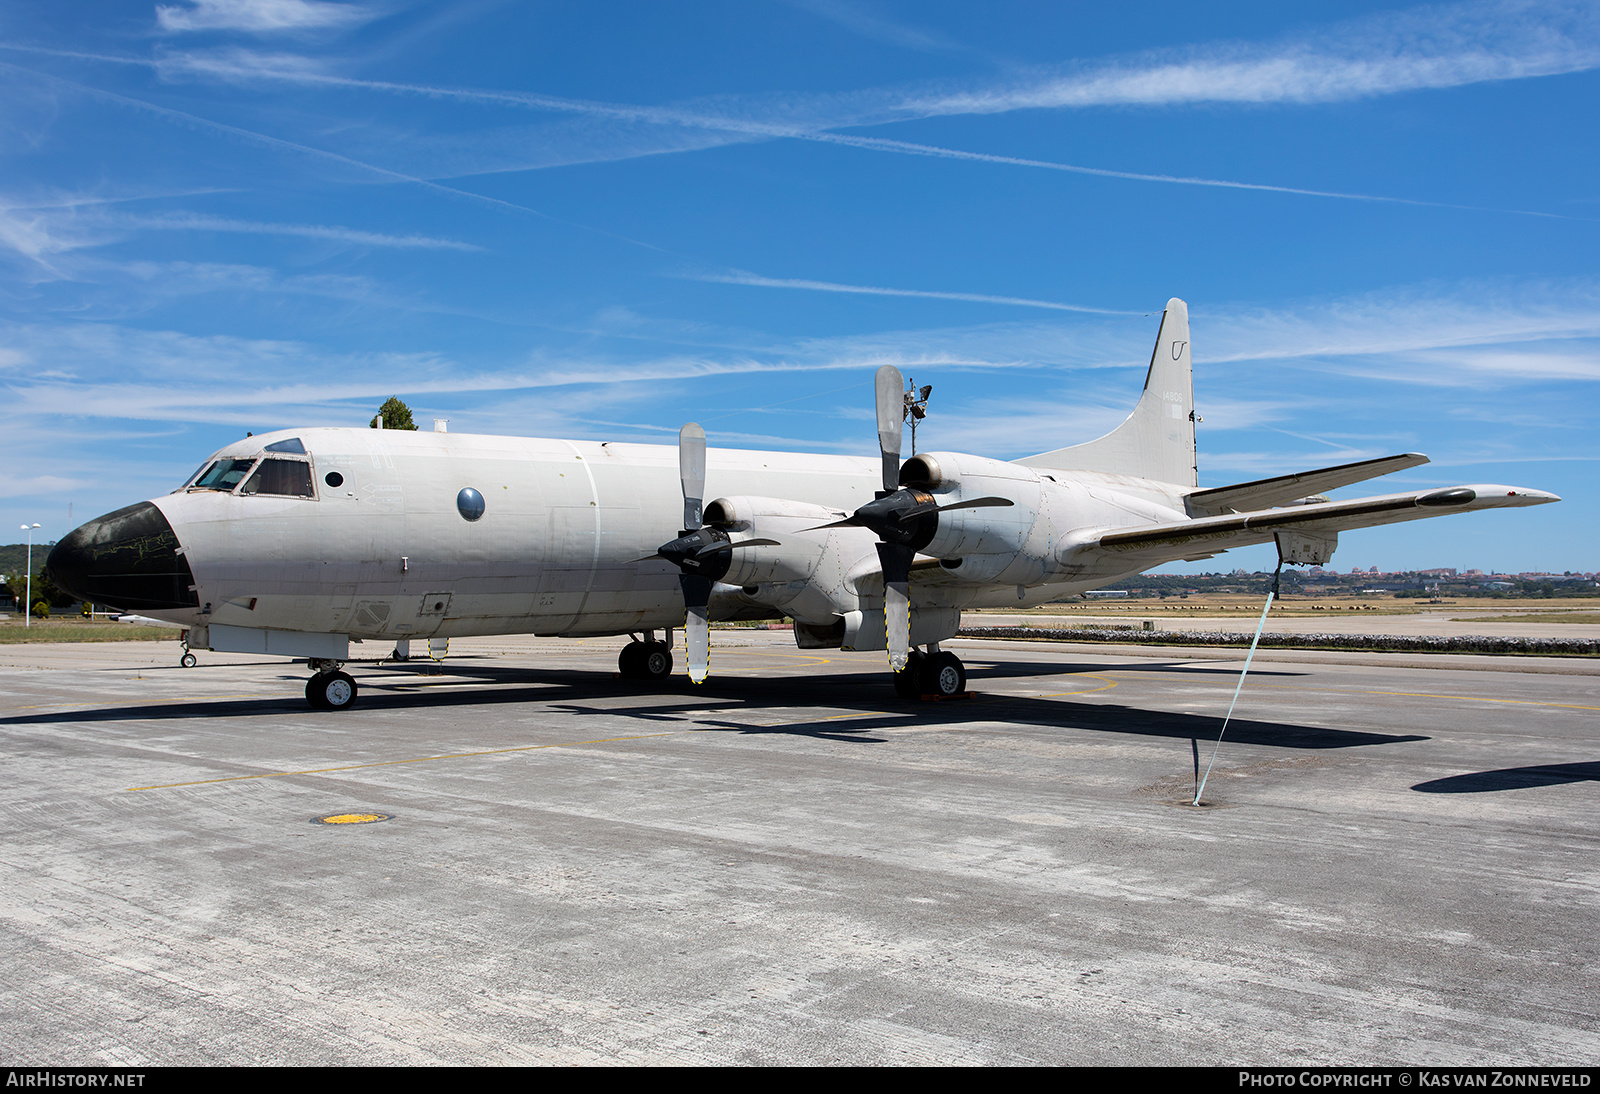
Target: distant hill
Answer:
[[14, 556]]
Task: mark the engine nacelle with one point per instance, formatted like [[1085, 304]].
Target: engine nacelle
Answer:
[[795, 557], [1012, 544], [803, 573]]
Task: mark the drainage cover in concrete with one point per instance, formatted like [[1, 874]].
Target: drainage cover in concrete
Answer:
[[352, 818]]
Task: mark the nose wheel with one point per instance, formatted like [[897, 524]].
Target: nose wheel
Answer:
[[331, 689]]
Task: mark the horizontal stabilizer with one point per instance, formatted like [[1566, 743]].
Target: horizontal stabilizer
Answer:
[[1154, 544], [1282, 489]]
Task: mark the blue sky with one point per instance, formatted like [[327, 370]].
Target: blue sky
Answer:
[[602, 220]]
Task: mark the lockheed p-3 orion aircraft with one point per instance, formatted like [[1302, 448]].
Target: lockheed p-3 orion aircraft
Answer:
[[298, 542]]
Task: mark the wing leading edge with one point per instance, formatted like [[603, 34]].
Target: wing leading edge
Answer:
[[1283, 489], [1189, 539]]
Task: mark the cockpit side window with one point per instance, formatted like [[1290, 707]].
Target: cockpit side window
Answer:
[[188, 482], [288, 477], [223, 475]]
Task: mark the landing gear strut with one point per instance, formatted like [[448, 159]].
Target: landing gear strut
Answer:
[[935, 674], [330, 688], [647, 660]]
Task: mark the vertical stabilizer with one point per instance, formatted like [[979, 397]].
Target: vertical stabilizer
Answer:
[[1157, 439]]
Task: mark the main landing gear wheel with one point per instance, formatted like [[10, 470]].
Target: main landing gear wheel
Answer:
[[331, 691], [906, 682], [645, 661], [943, 675], [188, 660]]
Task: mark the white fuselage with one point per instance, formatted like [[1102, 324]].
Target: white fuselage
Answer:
[[386, 554]]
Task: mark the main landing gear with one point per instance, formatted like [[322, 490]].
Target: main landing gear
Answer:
[[330, 688], [935, 675], [646, 660]]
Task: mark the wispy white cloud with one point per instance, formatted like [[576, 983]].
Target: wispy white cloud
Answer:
[[1577, 364], [261, 16], [1428, 48], [741, 277], [859, 19], [360, 169], [199, 222], [35, 234], [879, 144], [1422, 48], [1390, 53], [1420, 333], [42, 231], [164, 375]]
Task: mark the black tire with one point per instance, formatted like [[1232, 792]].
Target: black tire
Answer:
[[943, 675], [630, 662], [187, 660], [907, 684], [655, 661], [331, 691]]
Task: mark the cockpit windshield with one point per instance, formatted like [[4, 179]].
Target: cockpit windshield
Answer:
[[223, 475]]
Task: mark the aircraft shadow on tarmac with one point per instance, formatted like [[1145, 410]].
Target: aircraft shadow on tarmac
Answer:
[[1512, 778], [678, 703]]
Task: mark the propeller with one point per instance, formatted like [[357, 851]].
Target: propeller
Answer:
[[696, 576], [701, 553], [903, 518]]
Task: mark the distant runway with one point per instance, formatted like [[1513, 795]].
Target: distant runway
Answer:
[[787, 865]]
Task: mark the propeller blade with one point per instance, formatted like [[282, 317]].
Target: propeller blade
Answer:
[[896, 561], [976, 503], [901, 508], [730, 546], [647, 558], [697, 634], [847, 522], [697, 624], [692, 472], [891, 418]]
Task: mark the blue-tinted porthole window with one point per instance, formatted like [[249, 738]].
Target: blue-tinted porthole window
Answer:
[[333, 478], [469, 503]]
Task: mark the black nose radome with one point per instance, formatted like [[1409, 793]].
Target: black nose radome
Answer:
[[128, 559]]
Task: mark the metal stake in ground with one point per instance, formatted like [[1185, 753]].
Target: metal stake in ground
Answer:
[[1265, 608]]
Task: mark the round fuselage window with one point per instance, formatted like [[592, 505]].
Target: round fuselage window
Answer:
[[469, 503]]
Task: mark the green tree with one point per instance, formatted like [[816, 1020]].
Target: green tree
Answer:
[[395, 415], [45, 591]]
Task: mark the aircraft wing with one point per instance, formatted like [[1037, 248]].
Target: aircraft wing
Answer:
[[1282, 489], [1193, 539]]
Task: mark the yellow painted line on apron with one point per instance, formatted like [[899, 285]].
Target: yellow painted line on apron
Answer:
[[1109, 684], [1425, 695], [413, 760]]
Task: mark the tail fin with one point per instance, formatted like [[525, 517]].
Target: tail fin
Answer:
[[1157, 439]]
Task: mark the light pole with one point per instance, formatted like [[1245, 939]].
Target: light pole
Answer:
[[27, 600]]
